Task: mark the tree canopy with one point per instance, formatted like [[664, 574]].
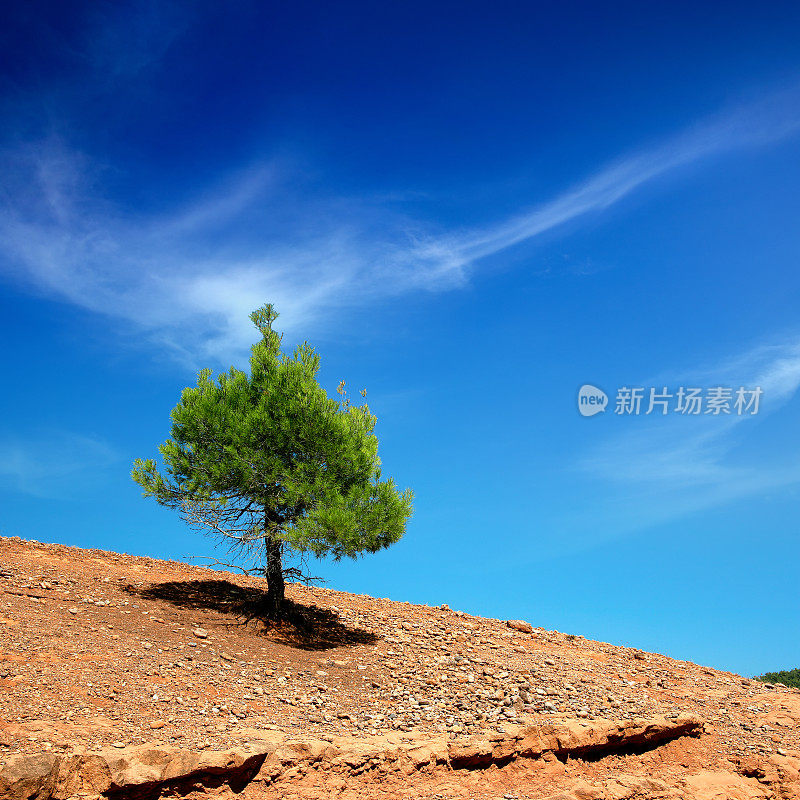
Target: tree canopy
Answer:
[[788, 677]]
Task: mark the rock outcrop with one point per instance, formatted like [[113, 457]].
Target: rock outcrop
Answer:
[[779, 774], [572, 739], [150, 771]]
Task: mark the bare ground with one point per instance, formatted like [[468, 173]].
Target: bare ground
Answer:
[[100, 650]]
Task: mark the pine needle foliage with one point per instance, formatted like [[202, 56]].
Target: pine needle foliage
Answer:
[[271, 464], [788, 677]]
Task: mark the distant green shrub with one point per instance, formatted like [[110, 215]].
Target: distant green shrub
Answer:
[[791, 677]]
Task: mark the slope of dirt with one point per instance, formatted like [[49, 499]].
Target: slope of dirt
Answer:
[[101, 652]]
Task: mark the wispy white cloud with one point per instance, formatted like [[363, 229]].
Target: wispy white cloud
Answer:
[[52, 464], [188, 276], [754, 124], [121, 41]]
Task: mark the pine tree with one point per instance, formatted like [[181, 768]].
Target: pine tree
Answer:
[[272, 465]]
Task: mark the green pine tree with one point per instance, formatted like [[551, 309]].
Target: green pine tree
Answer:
[[788, 677], [269, 463]]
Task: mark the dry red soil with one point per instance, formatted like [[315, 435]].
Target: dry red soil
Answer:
[[128, 676]]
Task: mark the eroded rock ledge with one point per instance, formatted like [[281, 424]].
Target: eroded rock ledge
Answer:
[[572, 739], [148, 771]]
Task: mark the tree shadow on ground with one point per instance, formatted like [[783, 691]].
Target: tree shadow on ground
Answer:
[[304, 627]]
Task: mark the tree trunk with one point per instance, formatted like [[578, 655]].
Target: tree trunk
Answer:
[[276, 588]]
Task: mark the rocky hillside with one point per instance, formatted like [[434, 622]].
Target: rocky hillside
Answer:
[[123, 676]]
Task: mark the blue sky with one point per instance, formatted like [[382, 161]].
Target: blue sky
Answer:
[[472, 210]]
